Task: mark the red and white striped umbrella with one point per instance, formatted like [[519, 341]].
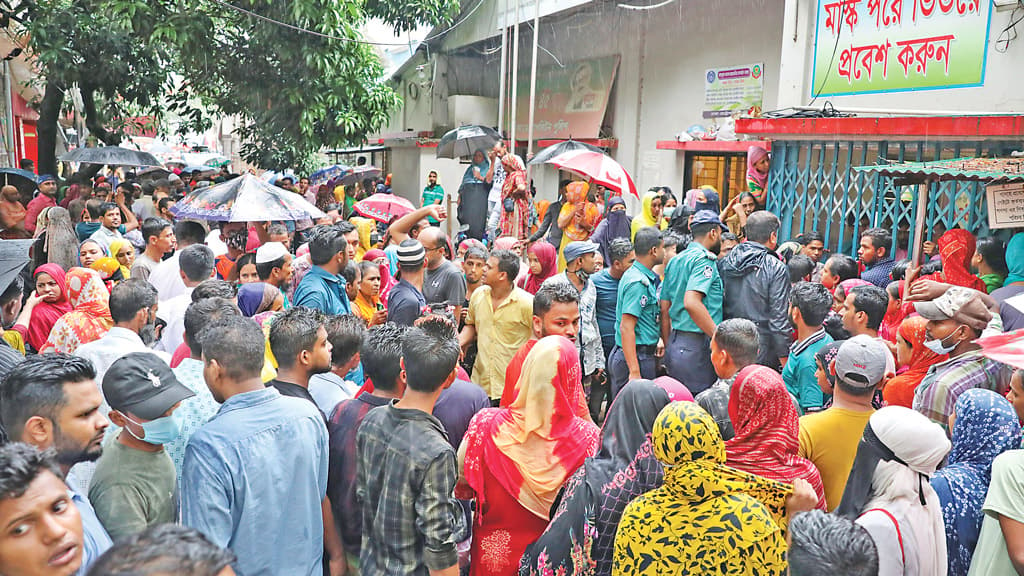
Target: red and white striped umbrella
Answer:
[[383, 207], [1007, 348], [599, 168]]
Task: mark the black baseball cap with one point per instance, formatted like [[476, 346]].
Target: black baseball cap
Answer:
[[143, 384]]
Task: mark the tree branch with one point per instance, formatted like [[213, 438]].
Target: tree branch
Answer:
[[92, 118]]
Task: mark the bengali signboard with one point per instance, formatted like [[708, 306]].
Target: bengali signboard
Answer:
[[733, 89], [863, 46], [1005, 205], [570, 101]]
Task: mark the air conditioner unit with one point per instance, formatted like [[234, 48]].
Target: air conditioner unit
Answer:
[[1005, 4]]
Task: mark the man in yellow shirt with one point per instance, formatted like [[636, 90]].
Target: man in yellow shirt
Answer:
[[500, 319], [830, 438]]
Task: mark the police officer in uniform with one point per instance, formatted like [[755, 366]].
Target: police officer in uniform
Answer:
[[691, 304], [637, 335]]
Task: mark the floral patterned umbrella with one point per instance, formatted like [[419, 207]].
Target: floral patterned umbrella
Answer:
[[245, 199]]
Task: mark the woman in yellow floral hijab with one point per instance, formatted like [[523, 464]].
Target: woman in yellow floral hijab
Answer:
[[707, 518]]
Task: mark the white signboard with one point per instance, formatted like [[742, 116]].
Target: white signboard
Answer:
[[1005, 205], [733, 89]]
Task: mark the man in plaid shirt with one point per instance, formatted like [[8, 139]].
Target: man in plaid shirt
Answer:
[[955, 320], [407, 470]]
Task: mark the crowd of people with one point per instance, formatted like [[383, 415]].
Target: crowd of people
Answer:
[[564, 388]]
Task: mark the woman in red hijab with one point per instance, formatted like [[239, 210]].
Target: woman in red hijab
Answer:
[[911, 353], [543, 258], [767, 430], [48, 303], [956, 247], [516, 459]]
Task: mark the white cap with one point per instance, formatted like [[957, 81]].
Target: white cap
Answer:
[[270, 252]]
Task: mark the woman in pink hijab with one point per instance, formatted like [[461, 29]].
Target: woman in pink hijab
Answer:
[[757, 174]]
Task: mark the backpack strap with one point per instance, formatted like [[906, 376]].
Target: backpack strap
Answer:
[[899, 535]]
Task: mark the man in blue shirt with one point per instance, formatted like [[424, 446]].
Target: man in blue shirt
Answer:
[[691, 304], [809, 304], [637, 333], [620, 259], [254, 477], [875, 253], [52, 401], [322, 287]]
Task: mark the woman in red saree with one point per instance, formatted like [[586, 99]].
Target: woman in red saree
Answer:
[[767, 430], [515, 192], [516, 459]]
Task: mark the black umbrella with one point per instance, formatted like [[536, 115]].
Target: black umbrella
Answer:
[[13, 258], [360, 173], [550, 152], [23, 180], [111, 156], [465, 140]]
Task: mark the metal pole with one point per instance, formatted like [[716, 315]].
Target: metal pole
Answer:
[[919, 223], [504, 71], [9, 104], [515, 77], [533, 77]]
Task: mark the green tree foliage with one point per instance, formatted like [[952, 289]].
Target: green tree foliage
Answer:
[[292, 91]]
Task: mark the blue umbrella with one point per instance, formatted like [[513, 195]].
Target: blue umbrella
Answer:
[[326, 174]]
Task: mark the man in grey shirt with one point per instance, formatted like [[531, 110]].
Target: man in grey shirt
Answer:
[[733, 348], [444, 285]]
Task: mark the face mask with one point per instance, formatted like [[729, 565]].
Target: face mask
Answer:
[[160, 431], [938, 346], [669, 211]]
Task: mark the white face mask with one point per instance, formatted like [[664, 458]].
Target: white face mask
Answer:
[[939, 347]]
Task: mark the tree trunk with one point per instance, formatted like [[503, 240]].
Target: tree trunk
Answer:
[[49, 113], [92, 118]]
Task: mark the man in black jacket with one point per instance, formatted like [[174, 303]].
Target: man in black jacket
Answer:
[[757, 287]]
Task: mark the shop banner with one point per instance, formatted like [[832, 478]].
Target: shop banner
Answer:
[[864, 46], [733, 89], [570, 101]]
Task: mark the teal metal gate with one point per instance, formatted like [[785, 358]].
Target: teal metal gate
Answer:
[[812, 187]]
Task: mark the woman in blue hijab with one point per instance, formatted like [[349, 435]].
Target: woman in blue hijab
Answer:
[[984, 426]]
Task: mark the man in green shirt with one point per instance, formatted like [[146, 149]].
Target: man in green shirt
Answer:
[[809, 304], [637, 340], [134, 484], [433, 194], [691, 305]]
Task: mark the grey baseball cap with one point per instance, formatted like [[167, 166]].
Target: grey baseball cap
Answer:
[[861, 362], [965, 305], [143, 384]]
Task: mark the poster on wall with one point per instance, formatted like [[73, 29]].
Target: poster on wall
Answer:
[[570, 101], [866, 46], [733, 89], [1005, 205]]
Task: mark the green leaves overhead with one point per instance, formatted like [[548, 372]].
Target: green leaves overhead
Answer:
[[293, 92]]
